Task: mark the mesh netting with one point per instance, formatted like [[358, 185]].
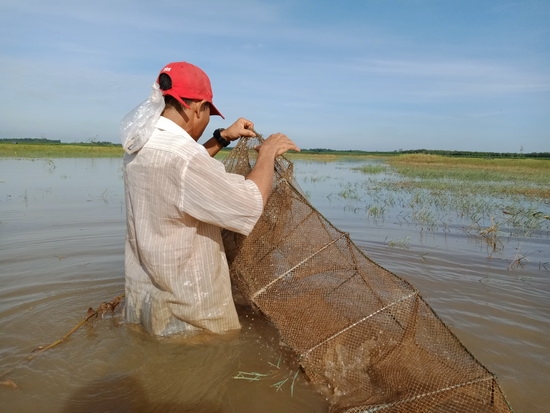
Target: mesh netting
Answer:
[[362, 334]]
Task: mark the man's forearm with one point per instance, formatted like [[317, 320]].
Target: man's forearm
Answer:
[[262, 175], [212, 146]]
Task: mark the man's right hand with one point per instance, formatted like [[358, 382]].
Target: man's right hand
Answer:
[[262, 173], [276, 145]]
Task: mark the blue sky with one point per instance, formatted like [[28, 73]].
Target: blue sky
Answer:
[[375, 75]]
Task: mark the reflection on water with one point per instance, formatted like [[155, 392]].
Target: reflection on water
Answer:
[[61, 251]]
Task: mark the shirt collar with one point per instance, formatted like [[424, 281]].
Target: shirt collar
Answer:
[[166, 124]]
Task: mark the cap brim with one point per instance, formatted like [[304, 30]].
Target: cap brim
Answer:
[[214, 111]]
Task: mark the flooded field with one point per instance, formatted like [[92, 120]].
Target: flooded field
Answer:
[[62, 227]]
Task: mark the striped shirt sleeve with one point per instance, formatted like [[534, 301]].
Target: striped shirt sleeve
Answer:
[[212, 195]]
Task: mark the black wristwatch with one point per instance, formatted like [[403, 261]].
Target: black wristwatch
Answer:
[[218, 136]]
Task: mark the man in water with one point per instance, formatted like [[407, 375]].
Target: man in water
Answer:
[[178, 197]]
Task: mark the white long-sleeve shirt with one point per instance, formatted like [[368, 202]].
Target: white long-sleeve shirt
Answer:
[[177, 200]]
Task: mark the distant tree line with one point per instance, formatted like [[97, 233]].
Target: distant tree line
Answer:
[[470, 154], [31, 140], [343, 152], [467, 154]]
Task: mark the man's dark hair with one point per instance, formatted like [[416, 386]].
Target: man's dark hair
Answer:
[[165, 83]]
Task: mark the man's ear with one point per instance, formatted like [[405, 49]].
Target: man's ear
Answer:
[[203, 105]]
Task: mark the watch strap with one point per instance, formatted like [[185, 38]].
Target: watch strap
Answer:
[[221, 140]]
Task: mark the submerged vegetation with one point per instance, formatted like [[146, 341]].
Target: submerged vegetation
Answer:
[[508, 171], [486, 198]]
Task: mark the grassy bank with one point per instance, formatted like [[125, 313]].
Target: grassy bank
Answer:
[[330, 157], [90, 150], [24, 150], [519, 175]]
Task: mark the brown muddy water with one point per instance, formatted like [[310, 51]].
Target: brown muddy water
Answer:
[[61, 251]]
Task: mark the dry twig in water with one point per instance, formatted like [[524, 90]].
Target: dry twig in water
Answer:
[[102, 309]]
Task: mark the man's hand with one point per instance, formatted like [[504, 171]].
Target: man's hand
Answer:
[[262, 173], [242, 127], [276, 145]]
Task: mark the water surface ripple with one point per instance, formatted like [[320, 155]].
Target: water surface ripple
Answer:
[[61, 252]]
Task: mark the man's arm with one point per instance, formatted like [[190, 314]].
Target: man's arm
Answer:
[[241, 127], [212, 146], [273, 146]]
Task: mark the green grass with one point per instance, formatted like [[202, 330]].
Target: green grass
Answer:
[[435, 191], [8, 149], [510, 170], [62, 150], [494, 177]]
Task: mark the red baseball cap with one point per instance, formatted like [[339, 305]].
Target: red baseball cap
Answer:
[[189, 82]]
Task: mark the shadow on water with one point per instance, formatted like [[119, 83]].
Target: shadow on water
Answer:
[[119, 393]]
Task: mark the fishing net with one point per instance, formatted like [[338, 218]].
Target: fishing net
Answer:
[[362, 334]]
